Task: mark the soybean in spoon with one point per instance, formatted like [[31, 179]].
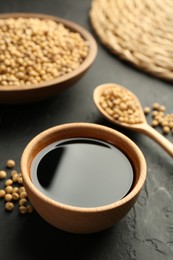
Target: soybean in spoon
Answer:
[[122, 107]]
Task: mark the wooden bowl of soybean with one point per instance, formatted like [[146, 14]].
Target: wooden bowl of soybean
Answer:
[[82, 177], [41, 55]]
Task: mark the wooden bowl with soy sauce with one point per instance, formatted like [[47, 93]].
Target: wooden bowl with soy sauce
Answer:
[[41, 56], [82, 177]]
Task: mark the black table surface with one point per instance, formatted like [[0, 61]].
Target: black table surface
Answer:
[[146, 232]]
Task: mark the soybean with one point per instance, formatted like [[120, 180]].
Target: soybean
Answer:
[[34, 50], [160, 118], [14, 191], [120, 105]]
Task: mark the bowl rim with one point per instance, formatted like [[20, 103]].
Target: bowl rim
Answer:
[[64, 78], [132, 194]]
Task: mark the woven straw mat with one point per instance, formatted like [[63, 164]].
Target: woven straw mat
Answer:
[[138, 31]]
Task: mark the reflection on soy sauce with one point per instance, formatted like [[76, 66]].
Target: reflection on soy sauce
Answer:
[[83, 172]]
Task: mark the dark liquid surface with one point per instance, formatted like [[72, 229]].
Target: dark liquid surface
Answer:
[[82, 172]]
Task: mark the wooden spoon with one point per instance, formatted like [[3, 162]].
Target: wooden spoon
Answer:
[[142, 127]]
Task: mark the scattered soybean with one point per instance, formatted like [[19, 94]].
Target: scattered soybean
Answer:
[[13, 191], [160, 118]]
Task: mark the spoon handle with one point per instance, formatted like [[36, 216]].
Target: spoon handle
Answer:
[[159, 138]]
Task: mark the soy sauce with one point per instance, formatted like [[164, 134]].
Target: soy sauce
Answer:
[[82, 172]]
